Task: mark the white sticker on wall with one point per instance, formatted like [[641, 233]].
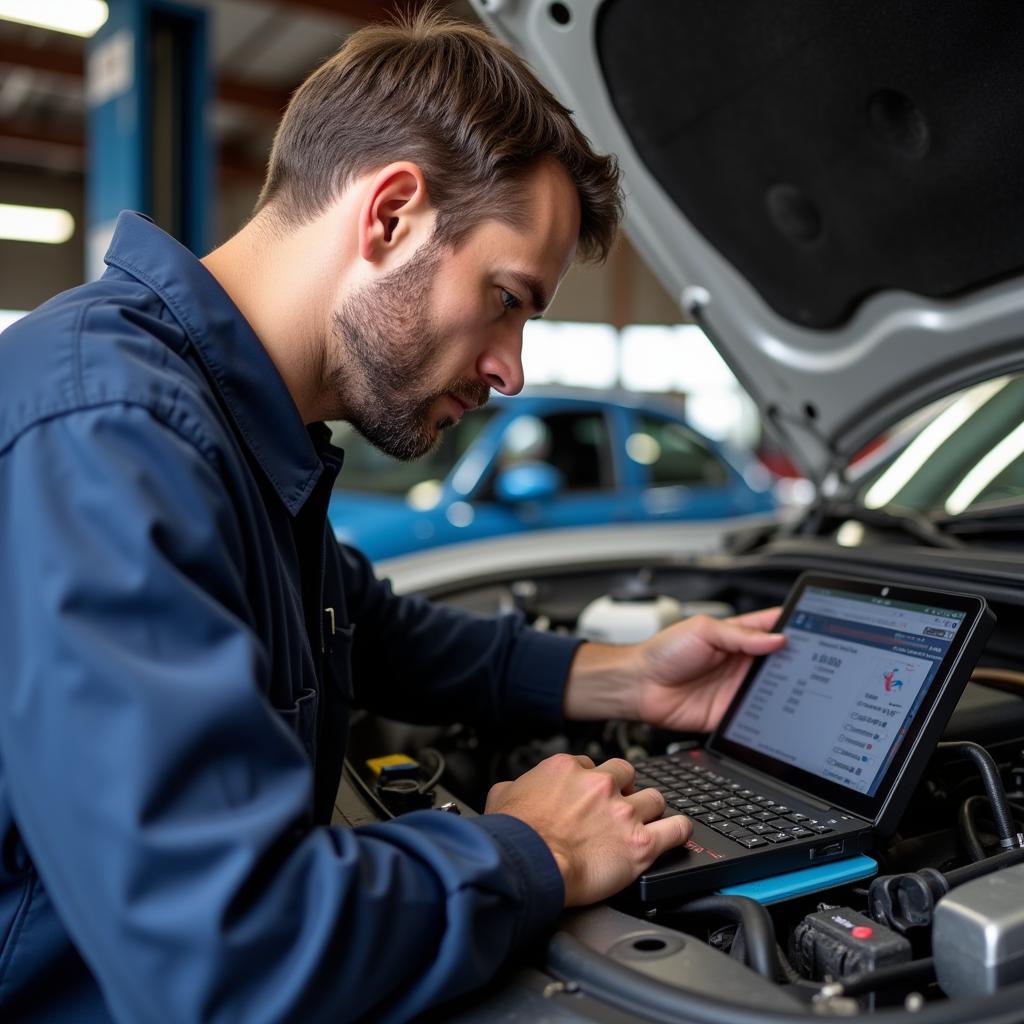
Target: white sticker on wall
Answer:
[[110, 68]]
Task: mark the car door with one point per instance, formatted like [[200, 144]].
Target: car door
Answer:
[[575, 440], [680, 475]]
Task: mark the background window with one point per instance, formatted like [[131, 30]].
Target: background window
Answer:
[[368, 469], [580, 450], [674, 455], [576, 444]]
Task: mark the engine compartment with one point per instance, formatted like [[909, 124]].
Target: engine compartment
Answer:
[[864, 947]]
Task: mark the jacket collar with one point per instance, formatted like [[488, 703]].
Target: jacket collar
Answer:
[[236, 362]]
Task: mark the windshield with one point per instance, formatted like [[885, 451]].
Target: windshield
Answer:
[[368, 469], [964, 451]]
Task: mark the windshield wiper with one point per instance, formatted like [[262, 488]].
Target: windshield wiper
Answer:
[[907, 521]]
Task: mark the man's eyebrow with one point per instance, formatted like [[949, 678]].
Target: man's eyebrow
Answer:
[[532, 285]]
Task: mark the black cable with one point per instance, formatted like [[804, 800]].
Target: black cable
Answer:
[[1009, 837], [366, 791], [790, 975], [755, 924], [438, 771], [789, 972], [968, 829], [912, 973], [982, 867]]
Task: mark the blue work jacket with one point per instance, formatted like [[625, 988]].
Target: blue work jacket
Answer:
[[181, 640]]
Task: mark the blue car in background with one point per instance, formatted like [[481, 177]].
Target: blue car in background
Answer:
[[541, 462]]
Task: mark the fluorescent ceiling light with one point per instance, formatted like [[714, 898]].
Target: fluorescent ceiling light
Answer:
[[76, 17], [35, 224], [929, 441], [1011, 447]]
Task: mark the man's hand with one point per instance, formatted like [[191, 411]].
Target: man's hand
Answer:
[[602, 834], [687, 674], [683, 678]]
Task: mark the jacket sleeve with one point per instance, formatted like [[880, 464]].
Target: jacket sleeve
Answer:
[[165, 806], [432, 664]]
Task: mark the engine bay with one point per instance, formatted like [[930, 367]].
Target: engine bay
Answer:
[[936, 926]]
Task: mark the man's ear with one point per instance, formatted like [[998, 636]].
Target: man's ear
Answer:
[[395, 213]]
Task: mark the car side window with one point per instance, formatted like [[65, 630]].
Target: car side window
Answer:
[[674, 454], [577, 444], [581, 450], [369, 469]]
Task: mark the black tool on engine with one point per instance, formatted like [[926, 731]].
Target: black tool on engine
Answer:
[[841, 942]]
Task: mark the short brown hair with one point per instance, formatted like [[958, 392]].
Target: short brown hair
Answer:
[[453, 100]]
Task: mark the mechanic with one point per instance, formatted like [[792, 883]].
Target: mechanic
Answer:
[[183, 638]]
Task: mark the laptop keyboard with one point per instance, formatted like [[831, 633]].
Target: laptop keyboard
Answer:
[[731, 808]]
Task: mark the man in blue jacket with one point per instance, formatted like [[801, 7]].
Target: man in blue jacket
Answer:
[[183, 639]]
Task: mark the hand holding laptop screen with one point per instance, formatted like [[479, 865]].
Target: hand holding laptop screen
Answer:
[[682, 679], [690, 672]]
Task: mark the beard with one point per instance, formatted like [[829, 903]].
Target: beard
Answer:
[[383, 347]]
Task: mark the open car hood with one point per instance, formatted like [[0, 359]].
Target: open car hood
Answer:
[[833, 190]]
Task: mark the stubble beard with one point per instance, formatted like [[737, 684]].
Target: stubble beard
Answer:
[[382, 349]]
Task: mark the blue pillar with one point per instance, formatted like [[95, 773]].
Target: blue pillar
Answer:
[[147, 90]]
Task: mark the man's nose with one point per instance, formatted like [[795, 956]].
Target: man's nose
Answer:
[[501, 365]]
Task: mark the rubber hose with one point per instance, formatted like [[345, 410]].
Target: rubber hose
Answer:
[[756, 923], [968, 830], [993, 787], [982, 867]]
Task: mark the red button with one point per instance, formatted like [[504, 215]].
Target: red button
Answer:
[[862, 932]]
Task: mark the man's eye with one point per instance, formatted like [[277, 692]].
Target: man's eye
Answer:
[[508, 300]]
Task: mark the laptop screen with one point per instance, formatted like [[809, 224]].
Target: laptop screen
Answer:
[[838, 699], [836, 709]]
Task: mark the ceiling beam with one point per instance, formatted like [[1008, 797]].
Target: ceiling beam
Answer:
[[268, 100], [33, 131], [34, 145], [63, 60], [68, 57], [64, 148]]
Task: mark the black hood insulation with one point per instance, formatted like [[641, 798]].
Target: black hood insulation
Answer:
[[831, 150]]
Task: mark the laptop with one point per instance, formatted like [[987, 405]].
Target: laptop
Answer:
[[821, 749]]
